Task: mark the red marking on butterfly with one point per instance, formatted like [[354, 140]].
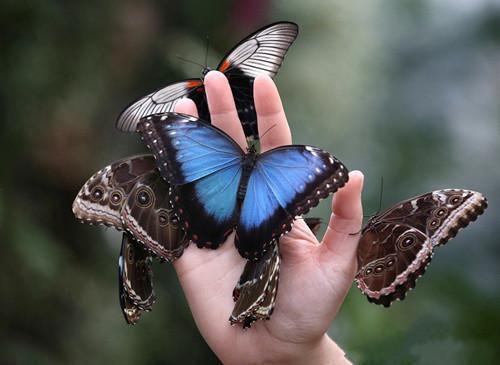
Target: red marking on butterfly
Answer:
[[193, 84], [224, 65]]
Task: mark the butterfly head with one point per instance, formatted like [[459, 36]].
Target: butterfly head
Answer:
[[252, 149], [205, 70], [372, 220]]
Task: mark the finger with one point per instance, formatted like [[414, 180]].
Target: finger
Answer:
[[340, 241], [222, 108], [271, 119], [298, 243], [193, 258], [186, 106], [209, 276]]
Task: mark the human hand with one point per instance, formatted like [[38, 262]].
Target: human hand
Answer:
[[314, 277]]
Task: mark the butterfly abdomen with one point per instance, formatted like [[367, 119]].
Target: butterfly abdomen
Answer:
[[247, 166]]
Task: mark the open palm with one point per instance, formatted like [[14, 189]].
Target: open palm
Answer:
[[314, 276]]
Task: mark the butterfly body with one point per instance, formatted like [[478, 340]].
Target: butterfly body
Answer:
[[204, 72], [247, 165], [220, 187], [396, 246], [262, 52]]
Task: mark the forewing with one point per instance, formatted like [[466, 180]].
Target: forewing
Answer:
[[159, 101], [455, 209], [260, 53], [205, 164], [149, 216], [187, 149], [102, 197]]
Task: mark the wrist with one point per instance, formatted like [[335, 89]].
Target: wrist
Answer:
[[325, 351]]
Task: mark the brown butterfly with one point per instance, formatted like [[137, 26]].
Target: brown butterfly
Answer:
[[135, 279], [131, 195], [255, 293], [396, 246]]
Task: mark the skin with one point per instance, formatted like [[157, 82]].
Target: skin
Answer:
[[315, 276]]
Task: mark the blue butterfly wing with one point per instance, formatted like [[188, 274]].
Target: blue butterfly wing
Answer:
[[205, 166], [286, 182]]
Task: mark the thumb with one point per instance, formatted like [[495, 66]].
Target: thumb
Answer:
[[340, 242]]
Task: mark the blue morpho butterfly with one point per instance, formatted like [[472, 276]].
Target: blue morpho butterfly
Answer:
[[262, 52], [219, 186]]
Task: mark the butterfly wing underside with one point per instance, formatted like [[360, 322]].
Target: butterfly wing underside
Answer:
[[135, 279], [160, 101], [102, 197], [131, 195], [149, 216], [256, 290], [255, 293], [396, 246]]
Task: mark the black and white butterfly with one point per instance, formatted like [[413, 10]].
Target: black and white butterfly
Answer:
[[131, 195], [135, 279], [220, 187], [396, 246], [262, 52]]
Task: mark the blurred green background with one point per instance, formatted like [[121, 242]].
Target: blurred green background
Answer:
[[407, 90]]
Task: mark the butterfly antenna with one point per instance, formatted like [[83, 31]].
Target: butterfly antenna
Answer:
[[379, 201], [267, 131], [379, 206], [381, 194], [206, 52], [189, 61]]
